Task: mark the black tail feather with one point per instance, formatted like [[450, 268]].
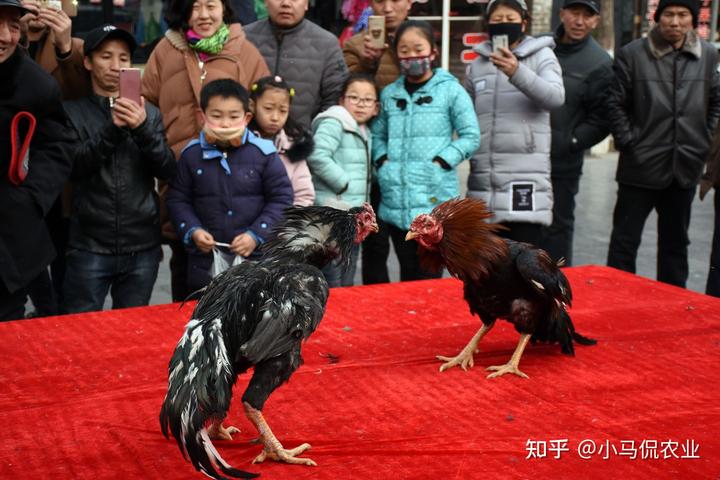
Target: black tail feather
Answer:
[[200, 382], [560, 329]]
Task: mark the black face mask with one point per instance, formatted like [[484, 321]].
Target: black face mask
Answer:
[[512, 30]]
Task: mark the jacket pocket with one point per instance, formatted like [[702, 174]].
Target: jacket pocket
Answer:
[[529, 139]]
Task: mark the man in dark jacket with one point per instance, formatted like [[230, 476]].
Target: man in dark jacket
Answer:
[[114, 227], [306, 55], [663, 106], [50, 44], [580, 123], [25, 246]]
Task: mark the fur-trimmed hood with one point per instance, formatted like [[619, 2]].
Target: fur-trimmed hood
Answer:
[[296, 149]]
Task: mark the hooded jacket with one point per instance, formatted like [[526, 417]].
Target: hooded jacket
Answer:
[[664, 105], [511, 170], [340, 163], [308, 58], [411, 131], [294, 157]]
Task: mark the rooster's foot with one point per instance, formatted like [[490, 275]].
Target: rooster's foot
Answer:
[[464, 359], [503, 369], [218, 432], [287, 456]]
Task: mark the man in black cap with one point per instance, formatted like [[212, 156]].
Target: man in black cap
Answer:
[[30, 178], [663, 105], [114, 242], [580, 123]]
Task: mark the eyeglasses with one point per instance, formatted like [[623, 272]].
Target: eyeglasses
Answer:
[[363, 102]]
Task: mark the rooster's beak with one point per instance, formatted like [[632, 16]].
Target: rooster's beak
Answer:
[[410, 235], [374, 228]]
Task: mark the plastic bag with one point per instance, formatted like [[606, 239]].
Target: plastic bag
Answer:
[[222, 261]]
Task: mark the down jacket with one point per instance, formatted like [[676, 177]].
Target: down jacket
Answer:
[[308, 58], [411, 131], [511, 170], [245, 189], [340, 162]]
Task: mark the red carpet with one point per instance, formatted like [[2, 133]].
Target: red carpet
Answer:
[[79, 395]]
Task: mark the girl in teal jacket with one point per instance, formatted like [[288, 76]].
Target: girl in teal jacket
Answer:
[[414, 149], [340, 163]]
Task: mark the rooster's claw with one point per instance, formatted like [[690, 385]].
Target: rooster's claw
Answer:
[[287, 456]]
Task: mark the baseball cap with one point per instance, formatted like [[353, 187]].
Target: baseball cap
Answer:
[[14, 3], [593, 5], [98, 35]]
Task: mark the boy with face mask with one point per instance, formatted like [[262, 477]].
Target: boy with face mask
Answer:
[[514, 87], [231, 186]]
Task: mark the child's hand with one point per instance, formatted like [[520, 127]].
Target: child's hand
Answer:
[[203, 240], [243, 245]]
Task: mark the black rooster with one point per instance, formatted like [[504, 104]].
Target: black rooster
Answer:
[[255, 314], [502, 279]]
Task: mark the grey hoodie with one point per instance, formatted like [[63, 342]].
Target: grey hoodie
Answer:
[[511, 170]]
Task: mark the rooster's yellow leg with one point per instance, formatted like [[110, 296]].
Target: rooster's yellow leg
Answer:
[[272, 448], [512, 365], [218, 432], [465, 357]]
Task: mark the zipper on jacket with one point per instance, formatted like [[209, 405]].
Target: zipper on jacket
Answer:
[[279, 37]]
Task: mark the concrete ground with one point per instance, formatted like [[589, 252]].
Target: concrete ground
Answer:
[[595, 204]]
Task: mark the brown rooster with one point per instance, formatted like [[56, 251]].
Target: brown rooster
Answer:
[[503, 279]]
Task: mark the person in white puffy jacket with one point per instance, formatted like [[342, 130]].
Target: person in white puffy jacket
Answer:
[[513, 90]]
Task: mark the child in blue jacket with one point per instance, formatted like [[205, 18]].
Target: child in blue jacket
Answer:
[[414, 147], [231, 186]]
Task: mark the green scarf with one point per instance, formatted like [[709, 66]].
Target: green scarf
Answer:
[[214, 44]]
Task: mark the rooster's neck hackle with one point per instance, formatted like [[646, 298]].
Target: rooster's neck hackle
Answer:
[[469, 248]]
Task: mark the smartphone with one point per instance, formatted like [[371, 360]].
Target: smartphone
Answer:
[[70, 7], [498, 42], [130, 84], [51, 4], [376, 27]]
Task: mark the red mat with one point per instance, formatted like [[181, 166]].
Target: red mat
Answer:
[[80, 394]]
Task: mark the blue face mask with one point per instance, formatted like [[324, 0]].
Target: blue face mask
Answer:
[[415, 66]]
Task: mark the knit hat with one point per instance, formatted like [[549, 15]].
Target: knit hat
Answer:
[[692, 5]]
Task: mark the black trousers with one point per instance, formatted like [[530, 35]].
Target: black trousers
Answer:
[[632, 208], [521, 232], [557, 239], [376, 247], [407, 256], [178, 271], [713, 280], [12, 305]]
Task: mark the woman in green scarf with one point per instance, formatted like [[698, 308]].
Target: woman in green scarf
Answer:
[[200, 46]]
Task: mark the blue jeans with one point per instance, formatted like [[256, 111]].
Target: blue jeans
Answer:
[[335, 275], [129, 278]]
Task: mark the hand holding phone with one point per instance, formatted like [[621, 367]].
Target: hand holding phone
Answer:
[[130, 84], [376, 29]]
